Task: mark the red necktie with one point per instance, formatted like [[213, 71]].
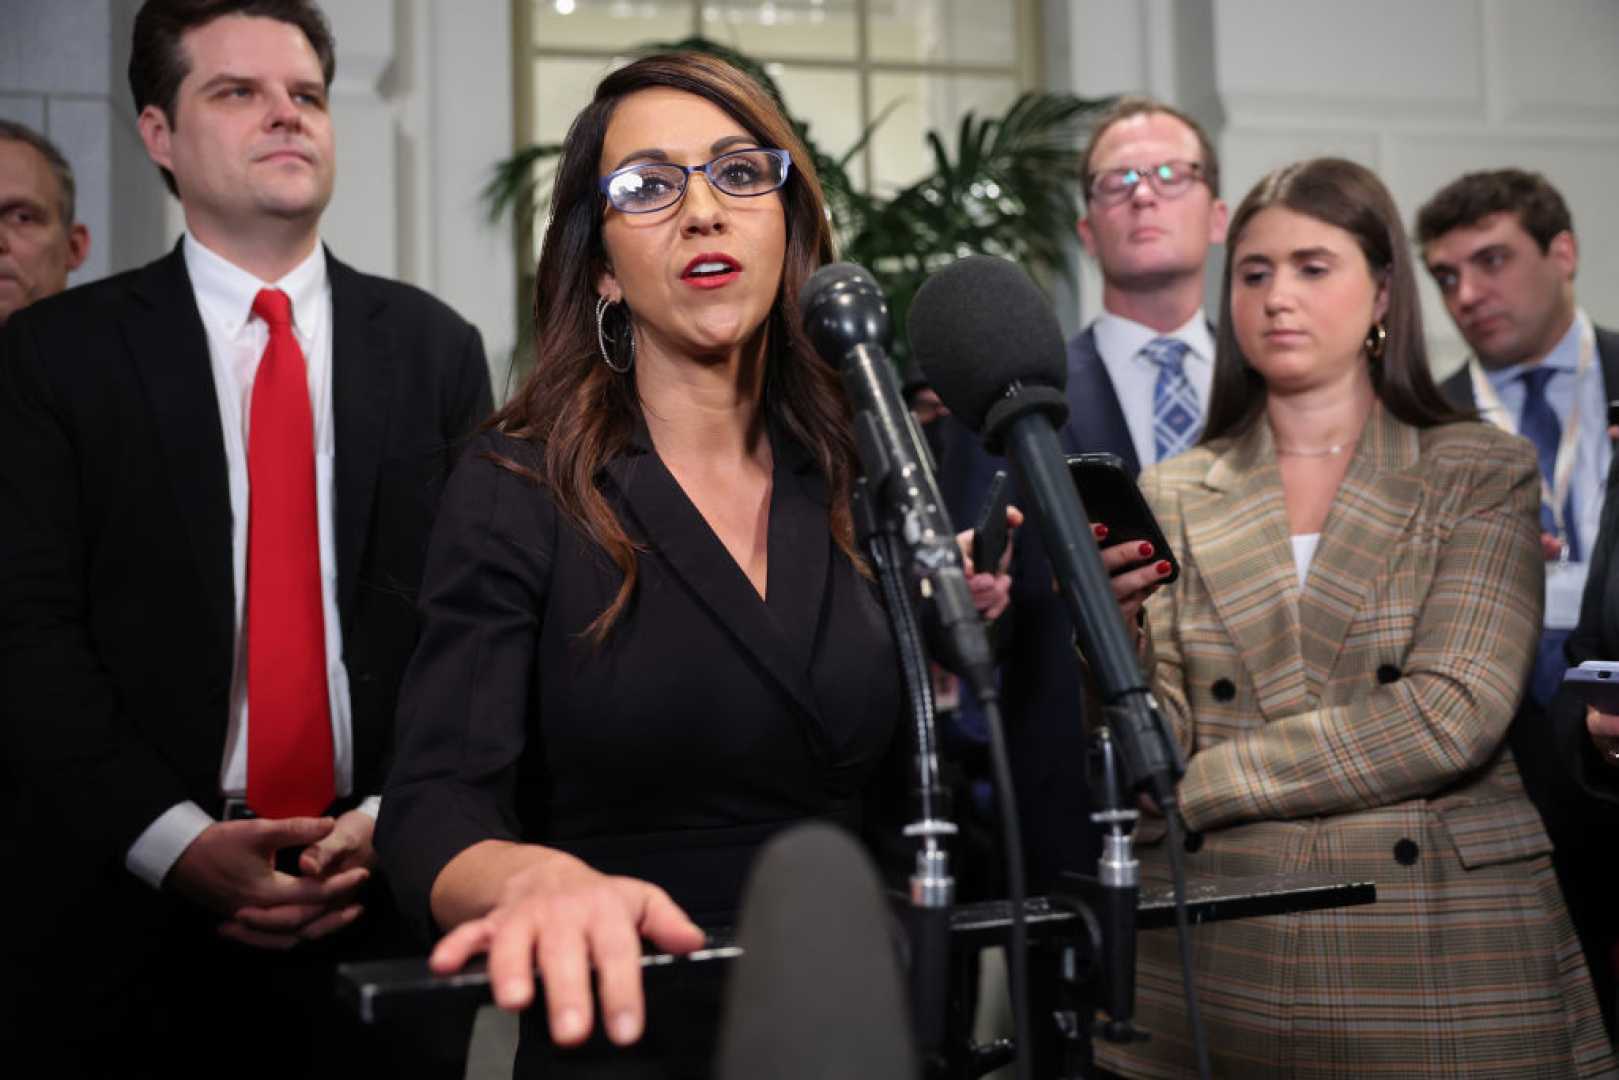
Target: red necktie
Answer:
[[289, 724]]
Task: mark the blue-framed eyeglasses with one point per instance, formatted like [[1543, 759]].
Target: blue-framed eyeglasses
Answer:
[[657, 185], [1170, 179]]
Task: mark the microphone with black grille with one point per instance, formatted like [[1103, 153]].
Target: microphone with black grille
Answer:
[[817, 992], [846, 317], [991, 346]]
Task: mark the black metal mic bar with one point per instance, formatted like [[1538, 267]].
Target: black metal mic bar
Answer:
[[382, 989]]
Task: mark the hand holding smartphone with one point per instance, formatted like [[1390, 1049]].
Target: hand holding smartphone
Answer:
[[1112, 498], [1596, 683], [990, 534]]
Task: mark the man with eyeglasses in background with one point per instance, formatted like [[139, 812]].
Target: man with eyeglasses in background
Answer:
[[1138, 383]]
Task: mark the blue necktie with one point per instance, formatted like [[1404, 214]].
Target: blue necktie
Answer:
[[1539, 424], [1175, 412]]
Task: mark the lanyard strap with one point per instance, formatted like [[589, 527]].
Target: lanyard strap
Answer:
[[1555, 494]]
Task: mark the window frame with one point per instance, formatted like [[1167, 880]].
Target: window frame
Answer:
[[1025, 70]]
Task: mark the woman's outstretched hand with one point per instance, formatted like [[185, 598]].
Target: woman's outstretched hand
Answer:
[[563, 919]]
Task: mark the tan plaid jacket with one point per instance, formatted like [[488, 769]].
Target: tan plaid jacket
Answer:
[[1356, 727]]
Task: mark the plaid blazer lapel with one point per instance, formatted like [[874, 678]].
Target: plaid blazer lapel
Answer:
[[1236, 532], [1375, 504]]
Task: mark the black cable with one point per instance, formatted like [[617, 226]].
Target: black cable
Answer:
[[887, 555], [1017, 951], [1183, 934]]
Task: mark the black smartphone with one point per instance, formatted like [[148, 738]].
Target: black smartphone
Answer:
[[990, 533], [1112, 498], [1595, 682]]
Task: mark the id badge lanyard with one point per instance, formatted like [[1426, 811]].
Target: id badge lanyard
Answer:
[[1554, 494]]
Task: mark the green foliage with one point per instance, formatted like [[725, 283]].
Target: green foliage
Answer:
[[1010, 190]]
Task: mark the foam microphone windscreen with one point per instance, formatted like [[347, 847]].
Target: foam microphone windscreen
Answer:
[[978, 326], [817, 993]]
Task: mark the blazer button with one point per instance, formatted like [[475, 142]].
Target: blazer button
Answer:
[[1224, 689], [1405, 851], [1387, 673], [1193, 842]]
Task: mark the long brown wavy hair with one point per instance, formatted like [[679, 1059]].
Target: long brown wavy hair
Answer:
[[581, 413], [1351, 197]]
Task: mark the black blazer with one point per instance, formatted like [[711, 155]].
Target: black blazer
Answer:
[[1596, 637], [116, 593], [706, 721], [1040, 677]]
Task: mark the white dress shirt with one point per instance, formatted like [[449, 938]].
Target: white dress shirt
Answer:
[[1120, 341], [236, 341]]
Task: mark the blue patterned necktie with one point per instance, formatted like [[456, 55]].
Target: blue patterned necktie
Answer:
[[1176, 416], [1539, 424]]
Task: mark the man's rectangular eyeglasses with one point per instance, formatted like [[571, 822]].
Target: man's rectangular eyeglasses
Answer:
[[657, 185], [1170, 179]]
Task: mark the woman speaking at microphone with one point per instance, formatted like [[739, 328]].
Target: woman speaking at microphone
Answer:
[[1340, 658], [648, 640]]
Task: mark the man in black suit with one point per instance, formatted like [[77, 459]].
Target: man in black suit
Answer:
[[1501, 247], [219, 472], [1138, 380], [1586, 745]]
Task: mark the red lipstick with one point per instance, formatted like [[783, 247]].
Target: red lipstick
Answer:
[[711, 270]]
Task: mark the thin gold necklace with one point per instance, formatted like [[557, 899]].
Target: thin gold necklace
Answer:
[[1328, 451]]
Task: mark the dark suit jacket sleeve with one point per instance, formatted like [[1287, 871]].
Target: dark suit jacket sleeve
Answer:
[[1597, 781], [65, 726], [464, 708], [471, 403]]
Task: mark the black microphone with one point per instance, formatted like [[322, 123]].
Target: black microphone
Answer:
[[992, 348], [817, 991], [846, 317]]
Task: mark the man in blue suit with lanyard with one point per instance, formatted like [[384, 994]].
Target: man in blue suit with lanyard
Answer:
[[1138, 384], [1500, 245]]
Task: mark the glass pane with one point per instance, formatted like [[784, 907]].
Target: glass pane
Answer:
[[561, 89], [923, 103], [609, 24], [822, 28], [943, 31], [829, 102]]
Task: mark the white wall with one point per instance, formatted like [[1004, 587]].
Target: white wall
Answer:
[[422, 105], [62, 66], [1420, 92]]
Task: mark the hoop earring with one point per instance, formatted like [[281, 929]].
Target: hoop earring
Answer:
[[602, 304], [1377, 342]]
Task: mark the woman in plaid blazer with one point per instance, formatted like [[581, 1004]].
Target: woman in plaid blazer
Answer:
[[1340, 658]]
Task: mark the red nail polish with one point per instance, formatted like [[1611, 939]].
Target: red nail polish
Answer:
[[1163, 567], [1100, 531], [1145, 549]]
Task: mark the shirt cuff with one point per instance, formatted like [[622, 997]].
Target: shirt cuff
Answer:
[[155, 851], [372, 805]]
